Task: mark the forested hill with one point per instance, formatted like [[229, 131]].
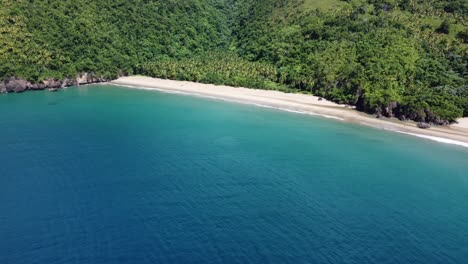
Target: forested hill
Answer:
[[58, 38], [403, 58]]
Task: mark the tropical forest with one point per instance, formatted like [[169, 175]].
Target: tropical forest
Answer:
[[396, 58]]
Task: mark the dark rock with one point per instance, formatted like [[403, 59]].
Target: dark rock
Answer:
[[412, 116], [441, 122], [17, 85], [48, 83], [52, 83], [424, 125], [320, 99], [69, 82], [389, 110], [38, 86], [379, 112], [402, 118]]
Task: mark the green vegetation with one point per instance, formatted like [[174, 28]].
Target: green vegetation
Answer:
[[56, 38], [217, 68], [323, 5], [403, 58], [390, 57]]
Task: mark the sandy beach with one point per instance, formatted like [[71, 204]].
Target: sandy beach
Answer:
[[462, 123], [300, 103]]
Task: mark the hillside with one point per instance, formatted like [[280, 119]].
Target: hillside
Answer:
[[59, 38], [403, 58], [385, 57]]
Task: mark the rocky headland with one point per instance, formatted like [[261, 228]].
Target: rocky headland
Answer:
[[19, 85]]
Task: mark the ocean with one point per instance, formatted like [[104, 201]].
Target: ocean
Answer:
[[104, 174]]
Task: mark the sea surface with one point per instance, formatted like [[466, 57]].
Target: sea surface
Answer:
[[103, 174]]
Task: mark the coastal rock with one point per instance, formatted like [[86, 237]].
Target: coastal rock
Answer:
[[88, 78], [68, 82], [37, 86], [82, 79], [16, 85], [441, 122], [389, 110], [429, 115], [52, 83], [48, 83], [424, 125], [3, 88], [378, 112]]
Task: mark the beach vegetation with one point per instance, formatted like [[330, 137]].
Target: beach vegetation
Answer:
[[403, 58]]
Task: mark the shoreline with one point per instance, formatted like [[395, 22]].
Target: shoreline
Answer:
[[300, 104], [19, 85]]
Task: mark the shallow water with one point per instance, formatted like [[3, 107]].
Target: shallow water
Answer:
[[103, 174]]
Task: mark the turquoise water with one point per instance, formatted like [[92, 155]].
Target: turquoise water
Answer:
[[102, 174]]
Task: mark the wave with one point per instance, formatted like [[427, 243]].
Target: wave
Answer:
[[438, 139], [433, 138], [231, 100]]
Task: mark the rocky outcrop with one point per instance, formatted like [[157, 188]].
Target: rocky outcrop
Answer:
[[88, 78], [389, 110], [424, 125], [18, 85], [3, 87], [396, 110]]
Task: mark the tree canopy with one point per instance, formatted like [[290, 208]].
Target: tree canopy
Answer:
[[403, 58]]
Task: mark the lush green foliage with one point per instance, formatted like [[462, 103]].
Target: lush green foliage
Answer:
[[217, 68], [396, 57], [391, 57], [57, 38]]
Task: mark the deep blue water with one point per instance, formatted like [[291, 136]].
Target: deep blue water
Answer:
[[102, 174]]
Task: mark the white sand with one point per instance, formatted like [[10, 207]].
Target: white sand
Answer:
[[462, 123], [299, 103]]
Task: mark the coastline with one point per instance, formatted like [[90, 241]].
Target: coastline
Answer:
[[19, 85], [301, 104]]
